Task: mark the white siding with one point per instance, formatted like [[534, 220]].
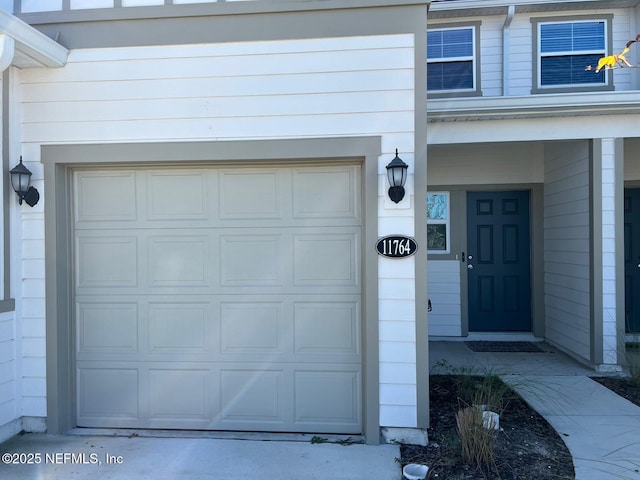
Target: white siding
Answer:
[[566, 246], [397, 335], [8, 368], [444, 291], [282, 89], [491, 56], [521, 61]]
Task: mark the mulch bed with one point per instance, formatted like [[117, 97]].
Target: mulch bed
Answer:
[[621, 386], [526, 447]]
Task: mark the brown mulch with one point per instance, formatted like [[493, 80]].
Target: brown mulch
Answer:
[[526, 446], [622, 386]]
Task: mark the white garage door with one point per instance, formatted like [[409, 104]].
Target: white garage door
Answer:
[[219, 298]]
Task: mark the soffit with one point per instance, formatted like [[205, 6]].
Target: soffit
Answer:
[[31, 48]]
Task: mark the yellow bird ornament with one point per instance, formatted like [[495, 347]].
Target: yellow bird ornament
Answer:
[[613, 61]]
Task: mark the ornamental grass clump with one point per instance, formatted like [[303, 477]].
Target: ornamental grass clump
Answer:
[[478, 442], [477, 433]]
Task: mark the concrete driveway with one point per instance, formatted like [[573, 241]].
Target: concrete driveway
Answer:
[[71, 457]]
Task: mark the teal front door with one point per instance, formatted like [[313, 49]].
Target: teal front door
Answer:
[[498, 261], [632, 259]]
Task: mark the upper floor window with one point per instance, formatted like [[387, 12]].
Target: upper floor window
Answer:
[[564, 51], [452, 60]]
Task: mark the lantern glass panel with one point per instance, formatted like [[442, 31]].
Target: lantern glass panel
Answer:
[[397, 176], [20, 182]]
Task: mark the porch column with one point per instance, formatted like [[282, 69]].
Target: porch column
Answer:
[[608, 253]]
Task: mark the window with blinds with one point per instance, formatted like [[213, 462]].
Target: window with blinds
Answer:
[[566, 49], [451, 60]]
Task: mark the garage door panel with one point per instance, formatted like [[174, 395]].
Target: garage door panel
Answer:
[[179, 395], [252, 327], [328, 259], [178, 261], [180, 328], [327, 399], [107, 261], [329, 327], [190, 202], [107, 327], [250, 194], [108, 396], [254, 260], [253, 396], [328, 192], [105, 197]]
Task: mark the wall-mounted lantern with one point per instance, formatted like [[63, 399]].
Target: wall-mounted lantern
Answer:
[[20, 180], [397, 175]]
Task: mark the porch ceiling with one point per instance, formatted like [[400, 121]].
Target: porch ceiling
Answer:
[[535, 106]]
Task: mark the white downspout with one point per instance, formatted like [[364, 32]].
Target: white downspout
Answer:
[[7, 50], [506, 49]]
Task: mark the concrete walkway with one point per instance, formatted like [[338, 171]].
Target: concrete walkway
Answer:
[[600, 428], [72, 457]]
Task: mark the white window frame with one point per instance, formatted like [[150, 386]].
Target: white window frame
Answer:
[[570, 87], [446, 221], [474, 58]]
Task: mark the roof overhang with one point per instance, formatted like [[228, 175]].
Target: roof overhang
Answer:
[[23, 46], [533, 106]]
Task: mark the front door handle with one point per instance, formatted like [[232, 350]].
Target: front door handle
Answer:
[[470, 267]]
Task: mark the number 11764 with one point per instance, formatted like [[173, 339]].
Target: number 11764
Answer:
[[396, 246]]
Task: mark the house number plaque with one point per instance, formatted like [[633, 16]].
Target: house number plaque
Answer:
[[396, 246]]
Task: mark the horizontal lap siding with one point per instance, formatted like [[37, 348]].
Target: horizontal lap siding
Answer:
[[566, 246], [253, 90], [520, 58], [218, 92], [491, 56], [444, 291], [8, 383]]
